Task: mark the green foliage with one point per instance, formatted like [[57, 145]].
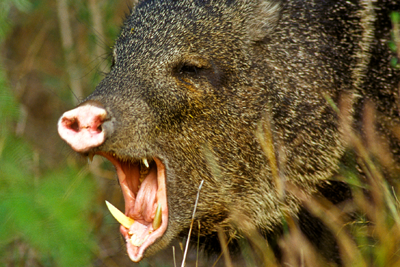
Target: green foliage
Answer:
[[50, 212], [47, 211], [5, 6], [395, 16], [8, 106], [395, 42]]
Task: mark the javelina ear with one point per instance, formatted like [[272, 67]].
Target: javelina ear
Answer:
[[266, 14]]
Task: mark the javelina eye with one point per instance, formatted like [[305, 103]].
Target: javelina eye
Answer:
[[193, 66], [189, 69]]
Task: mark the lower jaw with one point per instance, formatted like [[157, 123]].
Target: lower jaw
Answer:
[[136, 249]]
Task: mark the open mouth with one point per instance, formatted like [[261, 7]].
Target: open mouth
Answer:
[[146, 212]]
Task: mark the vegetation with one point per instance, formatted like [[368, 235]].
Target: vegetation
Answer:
[[52, 204], [47, 203]]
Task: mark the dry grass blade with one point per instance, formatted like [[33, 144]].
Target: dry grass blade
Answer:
[[296, 248], [198, 245], [265, 136], [173, 255], [191, 224], [224, 246], [258, 246], [331, 217]]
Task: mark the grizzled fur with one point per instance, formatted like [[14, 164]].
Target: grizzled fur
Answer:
[[194, 81]]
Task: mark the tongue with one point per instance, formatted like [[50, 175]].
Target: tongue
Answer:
[[146, 202], [144, 210]]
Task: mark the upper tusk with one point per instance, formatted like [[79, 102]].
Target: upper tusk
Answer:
[[145, 162]]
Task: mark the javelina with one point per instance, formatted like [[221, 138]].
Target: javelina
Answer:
[[193, 85]]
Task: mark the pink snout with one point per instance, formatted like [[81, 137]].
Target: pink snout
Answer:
[[82, 127]]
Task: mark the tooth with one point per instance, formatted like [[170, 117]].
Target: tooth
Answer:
[[135, 240], [144, 171], [119, 216], [157, 218], [145, 162]]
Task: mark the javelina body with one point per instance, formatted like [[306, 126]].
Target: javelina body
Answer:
[[199, 87]]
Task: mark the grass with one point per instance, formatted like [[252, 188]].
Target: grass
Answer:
[[47, 216]]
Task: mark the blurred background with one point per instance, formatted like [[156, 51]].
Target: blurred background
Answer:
[[52, 210]]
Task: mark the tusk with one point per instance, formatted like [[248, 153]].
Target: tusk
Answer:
[[119, 216], [157, 218], [145, 162]]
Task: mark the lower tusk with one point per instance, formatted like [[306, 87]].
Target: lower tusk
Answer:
[[119, 216], [157, 218]]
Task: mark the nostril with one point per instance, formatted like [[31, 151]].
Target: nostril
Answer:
[[99, 128], [74, 126], [71, 124]]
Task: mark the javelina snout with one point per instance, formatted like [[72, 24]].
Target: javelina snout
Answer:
[[197, 85], [142, 181], [84, 127]]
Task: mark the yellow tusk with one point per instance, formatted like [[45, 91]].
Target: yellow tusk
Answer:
[[119, 216], [157, 218]]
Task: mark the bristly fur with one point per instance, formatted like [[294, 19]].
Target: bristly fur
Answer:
[[195, 82]]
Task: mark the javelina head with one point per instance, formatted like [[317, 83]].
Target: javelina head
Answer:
[[181, 104]]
